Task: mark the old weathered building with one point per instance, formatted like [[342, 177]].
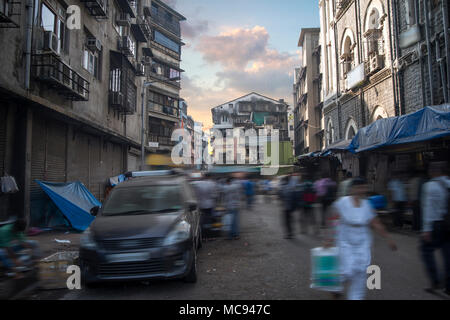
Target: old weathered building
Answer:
[[307, 95], [380, 58], [252, 111], [71, 83]]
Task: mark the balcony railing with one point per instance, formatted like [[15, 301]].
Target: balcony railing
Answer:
[[96, 8], [141, 29], [166, 141], [10, 13], [49, 68], [170, 111], [161, 19]]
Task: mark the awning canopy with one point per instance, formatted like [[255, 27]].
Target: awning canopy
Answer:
[[426, 124], [337, 147]]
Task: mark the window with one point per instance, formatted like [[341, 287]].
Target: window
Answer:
[[163, 104], [91, 62], [165, 70], [410, 13], [166, 42], [50, 21], [154, 9], [347, 56]]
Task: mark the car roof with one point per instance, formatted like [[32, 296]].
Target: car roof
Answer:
[[152, 181]]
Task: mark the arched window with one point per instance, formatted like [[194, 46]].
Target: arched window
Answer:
[[330, 132], [351, 129], [373, 33], [347, 52], [379, 113]]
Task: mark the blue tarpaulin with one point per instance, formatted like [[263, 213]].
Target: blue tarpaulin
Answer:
[[74, 201], [425, 124]]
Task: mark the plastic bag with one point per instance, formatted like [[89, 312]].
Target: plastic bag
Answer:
[[325, 273], [9, 184]]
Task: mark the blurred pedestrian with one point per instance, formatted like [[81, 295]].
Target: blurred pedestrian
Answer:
[[307, 214], [249, 193], [207, 193], [415, 185], [12, 241], [285, 195], [344, 184], [352, 236], [232, 196], [398, 197], [435, 232], [326, 192]]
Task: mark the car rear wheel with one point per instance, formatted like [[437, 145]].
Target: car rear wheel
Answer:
[[192, 275]]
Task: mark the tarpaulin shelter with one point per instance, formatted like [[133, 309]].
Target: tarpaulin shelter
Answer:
[[340, 146], [73, 200], [426, 124]]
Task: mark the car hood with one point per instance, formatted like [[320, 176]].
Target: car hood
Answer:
[[134, 226]]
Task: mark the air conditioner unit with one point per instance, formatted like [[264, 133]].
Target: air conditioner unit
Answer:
[[51, 42], [123, 19], [4, 7], [140, 69], [116, 98], [376, 63], [125, 45], [146, 60]]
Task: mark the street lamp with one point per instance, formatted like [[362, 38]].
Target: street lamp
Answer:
[[143, 115]]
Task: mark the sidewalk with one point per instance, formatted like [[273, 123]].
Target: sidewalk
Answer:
[[49, 246]]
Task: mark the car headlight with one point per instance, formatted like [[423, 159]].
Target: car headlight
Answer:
[[181, 232], [87, 241]]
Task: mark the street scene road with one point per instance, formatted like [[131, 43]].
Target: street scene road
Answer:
[[263, 265]]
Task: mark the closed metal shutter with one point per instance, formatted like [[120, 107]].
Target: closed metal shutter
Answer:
[[2, 141], [38, 155], [96, 171], [56, 152], [80, 162], [133, 162]]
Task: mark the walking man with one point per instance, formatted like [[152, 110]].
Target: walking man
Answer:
[[435, 234], [232, 196]]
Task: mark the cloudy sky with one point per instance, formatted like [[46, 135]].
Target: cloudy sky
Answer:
[[234, 47]]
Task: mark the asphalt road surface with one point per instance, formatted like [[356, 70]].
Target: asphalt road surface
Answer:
[[264, 265]]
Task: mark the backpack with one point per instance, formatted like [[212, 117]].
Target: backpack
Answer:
[[309, 195], [446, 224]]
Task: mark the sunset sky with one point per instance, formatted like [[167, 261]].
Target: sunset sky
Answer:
[[234, 47]]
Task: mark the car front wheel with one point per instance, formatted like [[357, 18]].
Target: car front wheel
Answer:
[[192, 275]]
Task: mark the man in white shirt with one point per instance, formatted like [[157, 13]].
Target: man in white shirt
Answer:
[[434, 208], [206, 193]]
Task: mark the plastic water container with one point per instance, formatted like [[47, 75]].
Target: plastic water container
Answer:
[[325, 274], [378, 202]]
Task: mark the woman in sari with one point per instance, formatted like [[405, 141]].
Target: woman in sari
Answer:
[[353, 218]]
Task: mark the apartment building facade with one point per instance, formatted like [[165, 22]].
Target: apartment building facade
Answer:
[[71, 83], [307, 95], [252, 111]]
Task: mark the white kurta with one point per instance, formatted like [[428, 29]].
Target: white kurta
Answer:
[[354, 238]]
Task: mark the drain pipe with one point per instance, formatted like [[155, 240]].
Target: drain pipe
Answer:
[[427, 35], [392, 43], [29, 34], [441, 69], [445, 19], [419, 51]]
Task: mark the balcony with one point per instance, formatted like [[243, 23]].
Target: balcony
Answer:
[[123, 19], [50, 69], [122, 88], [141, 29], [125, 46], [166, 110], [128, 7], [96, 8], [10, 13], [159, 17], [165, 141]]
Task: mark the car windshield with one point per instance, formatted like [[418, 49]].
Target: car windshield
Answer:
[[143, 200]]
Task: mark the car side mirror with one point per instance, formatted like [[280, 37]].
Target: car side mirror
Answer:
[[192, 205], [94, 211]]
